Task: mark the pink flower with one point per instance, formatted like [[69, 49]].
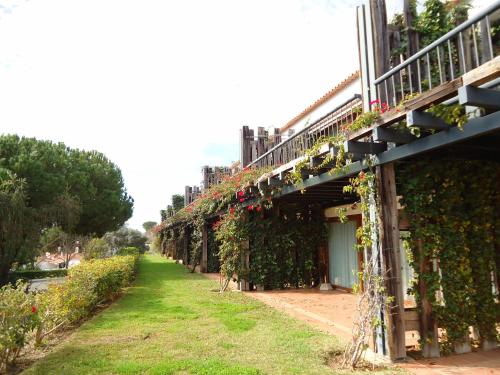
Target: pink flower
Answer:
[[240, 193], [250, 208], [374, 102], [258, 208], [242, 200]]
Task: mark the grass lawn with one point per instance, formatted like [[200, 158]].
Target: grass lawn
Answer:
[[170, 322]]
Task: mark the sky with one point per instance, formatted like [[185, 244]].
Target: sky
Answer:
[[163, 87]]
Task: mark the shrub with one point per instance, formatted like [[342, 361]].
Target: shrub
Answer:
[[89, 284], [130, 250], [18, 319], [36, 274], [97, 248]]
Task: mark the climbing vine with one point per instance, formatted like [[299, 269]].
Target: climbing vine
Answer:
[[450, 205]]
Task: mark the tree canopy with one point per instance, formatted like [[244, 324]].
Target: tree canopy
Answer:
[[53, 171], [126, 237], [148, 225], [45, 184]]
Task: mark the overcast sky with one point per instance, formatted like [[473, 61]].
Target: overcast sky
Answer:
[[163, 87]]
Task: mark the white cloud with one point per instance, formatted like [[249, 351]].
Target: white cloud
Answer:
[[151, 83]]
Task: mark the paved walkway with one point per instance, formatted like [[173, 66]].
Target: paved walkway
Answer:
[[333, 312]]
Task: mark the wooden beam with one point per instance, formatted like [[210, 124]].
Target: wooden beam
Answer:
[[392, 135], [354, 147], [272, 181], [304, 172], [389, 240], [479, 97], [261, 185], [424, 120]]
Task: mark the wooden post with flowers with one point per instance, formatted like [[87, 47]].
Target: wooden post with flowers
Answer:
[[389, 246]]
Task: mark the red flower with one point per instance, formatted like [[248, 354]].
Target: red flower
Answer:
[[240, 193], [33, 309], [361, 175], [258, 208], [374, 102], [250, 208], [231, 210], [242, 200]]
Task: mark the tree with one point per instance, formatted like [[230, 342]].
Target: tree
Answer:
[[126, 237], [18, 229], [148, 225], [97, 248], [53, 170], [177, 202], [45, 184]]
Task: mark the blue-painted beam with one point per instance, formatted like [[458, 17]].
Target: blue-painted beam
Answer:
[[474, 128], [479, 97]]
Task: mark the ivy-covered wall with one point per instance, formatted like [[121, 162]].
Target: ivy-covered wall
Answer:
[[454, 213]]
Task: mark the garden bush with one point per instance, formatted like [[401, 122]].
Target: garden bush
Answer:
[[89, 284], [130, 250], [36, 274], [18, 319]]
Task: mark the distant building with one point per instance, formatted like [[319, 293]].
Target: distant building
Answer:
[[55, 261]]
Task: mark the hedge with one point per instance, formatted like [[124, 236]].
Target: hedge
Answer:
[[36, 274], [26, 317]]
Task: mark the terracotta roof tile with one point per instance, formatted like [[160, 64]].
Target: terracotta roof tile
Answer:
[[351, 78]]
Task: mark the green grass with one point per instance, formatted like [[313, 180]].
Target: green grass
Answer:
[[171, 322]]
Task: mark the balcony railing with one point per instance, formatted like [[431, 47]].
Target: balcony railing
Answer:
[[464, 48], [297, 144]]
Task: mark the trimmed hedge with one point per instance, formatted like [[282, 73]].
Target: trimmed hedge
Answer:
[[89, 284], [29, 317], [131, 250], [36, 274]]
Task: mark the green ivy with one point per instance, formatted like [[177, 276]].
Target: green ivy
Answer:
[[450, 205]]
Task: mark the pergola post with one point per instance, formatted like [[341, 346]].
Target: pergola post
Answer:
[[428, 324], [204, 249], [391, 260], [185, 244], [244, 284]]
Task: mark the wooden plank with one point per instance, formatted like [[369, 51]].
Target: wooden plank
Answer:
[[483, 73], [423, 101], [389, 239]]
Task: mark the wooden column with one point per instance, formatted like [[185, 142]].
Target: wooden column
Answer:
[[204, 250], [244, 284], [391, 260], [185, 244], [428, 325]]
